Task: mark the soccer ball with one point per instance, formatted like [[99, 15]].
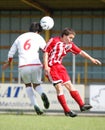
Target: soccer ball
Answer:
[[47, 23]]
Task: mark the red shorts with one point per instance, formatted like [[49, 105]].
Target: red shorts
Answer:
[[58, 73]]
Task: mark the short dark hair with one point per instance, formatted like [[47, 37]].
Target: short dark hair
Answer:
[[67, 31], [35, 27]]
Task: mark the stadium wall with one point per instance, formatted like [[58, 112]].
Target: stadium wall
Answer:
[[90, 29]]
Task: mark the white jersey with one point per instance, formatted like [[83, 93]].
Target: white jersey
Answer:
[[27, 45]]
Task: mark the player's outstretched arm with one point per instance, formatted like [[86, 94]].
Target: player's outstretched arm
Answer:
[[87, 56]]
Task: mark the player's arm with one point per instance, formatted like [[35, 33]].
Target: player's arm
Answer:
[[11, 53], [7, 64], [87, 56], [45, 62], [47, 49]]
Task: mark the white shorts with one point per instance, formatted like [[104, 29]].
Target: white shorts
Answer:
[[31, 74]]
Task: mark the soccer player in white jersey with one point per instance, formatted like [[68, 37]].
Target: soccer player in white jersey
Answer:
[[55, 50], [30, 66]]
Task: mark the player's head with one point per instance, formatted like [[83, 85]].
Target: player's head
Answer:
[[68, 35], [67, 31], [35, 27]]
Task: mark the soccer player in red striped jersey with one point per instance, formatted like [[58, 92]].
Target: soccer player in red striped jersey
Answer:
[[55, 50]]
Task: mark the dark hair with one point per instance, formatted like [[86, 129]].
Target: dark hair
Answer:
[[35, 27], [67, 31]]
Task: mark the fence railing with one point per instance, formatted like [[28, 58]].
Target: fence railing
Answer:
[[78, 77]]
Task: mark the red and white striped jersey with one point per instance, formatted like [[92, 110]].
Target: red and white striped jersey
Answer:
[[27, 45], [57, 50]]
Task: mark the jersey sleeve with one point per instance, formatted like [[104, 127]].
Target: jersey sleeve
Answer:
[[12, 50], [75, 49]]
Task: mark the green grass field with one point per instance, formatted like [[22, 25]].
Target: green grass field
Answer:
[[46, 122]]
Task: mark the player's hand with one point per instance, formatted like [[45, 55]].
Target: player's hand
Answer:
[[97, 62], [5, 66]]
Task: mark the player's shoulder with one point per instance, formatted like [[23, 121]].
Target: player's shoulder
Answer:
[[30, 34], [52, 41], [55, 39], [23, 35]]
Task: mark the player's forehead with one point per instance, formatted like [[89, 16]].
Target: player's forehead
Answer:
[[71, 36]]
